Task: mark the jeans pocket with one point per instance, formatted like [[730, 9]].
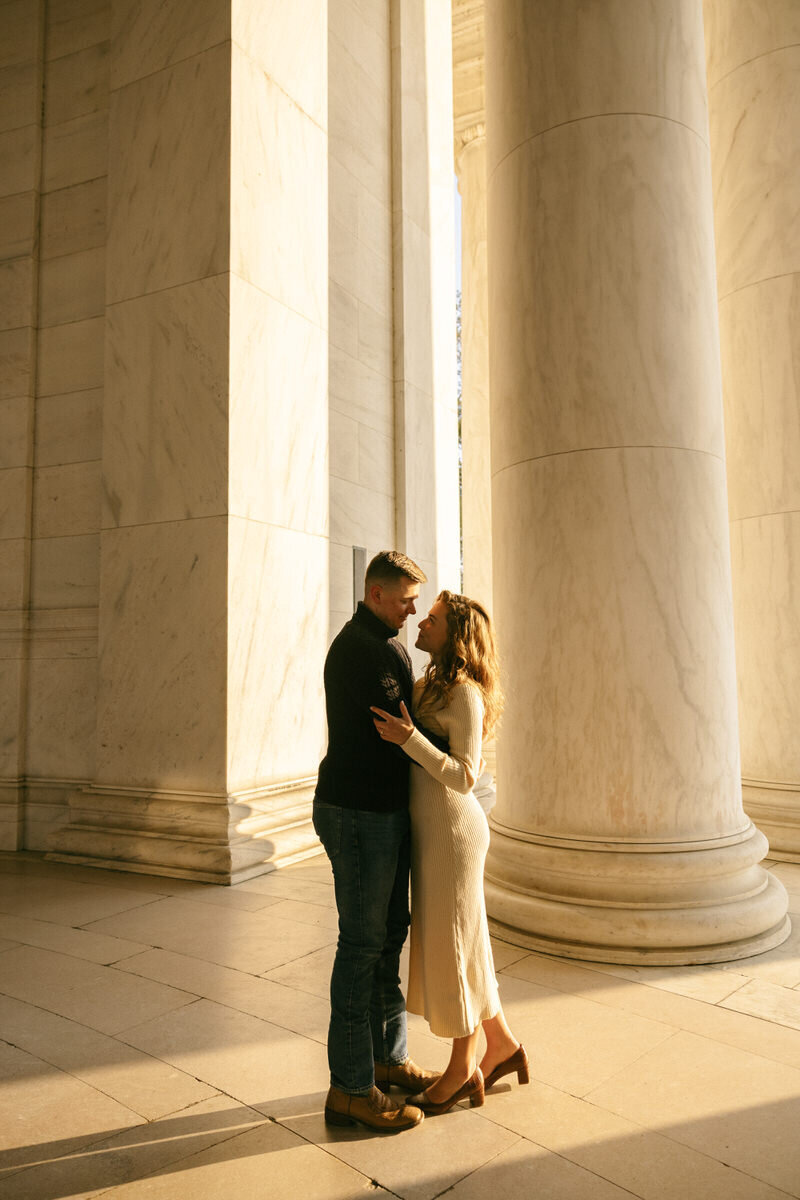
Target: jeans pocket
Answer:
[[327, 821]]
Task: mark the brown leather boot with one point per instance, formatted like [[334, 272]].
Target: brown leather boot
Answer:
[[375, 1110], [404, 1075]]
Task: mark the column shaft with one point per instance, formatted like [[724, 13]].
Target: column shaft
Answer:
[[753, 56], [619, 831]]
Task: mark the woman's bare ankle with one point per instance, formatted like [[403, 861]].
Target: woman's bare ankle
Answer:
[[498, 1052]]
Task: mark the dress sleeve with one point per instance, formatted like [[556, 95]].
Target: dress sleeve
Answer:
[[461, 767]]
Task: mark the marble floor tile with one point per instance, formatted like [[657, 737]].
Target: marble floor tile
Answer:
[[504, 955], [417, 1164], [769, 1001], [425, 1048], [39, 1103], [254, 942], [289, 887], [130, 1154], [95, 947], [252, 1060], [730, 1028], [317, 868], [574, 1043], [527, 1170], [32, 865], [781, 965], [268, 1161], [227, 897], [300, 1012], [65, 902], [311, 973], [718, 1100], [141, 1083], [101, 997], [307, 913], [647, 1164], [660, 1083], [700, 983], [788, 873]]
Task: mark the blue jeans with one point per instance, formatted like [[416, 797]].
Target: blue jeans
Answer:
[[370, 854]]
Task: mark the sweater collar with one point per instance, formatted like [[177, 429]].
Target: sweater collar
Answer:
[[365, 617]]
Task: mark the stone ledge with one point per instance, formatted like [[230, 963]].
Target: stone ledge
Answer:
[[222, 838]]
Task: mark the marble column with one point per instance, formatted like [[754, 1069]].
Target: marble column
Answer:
[[21, 69], [214, 553], [753, 55], [619, 832], [476, 491]]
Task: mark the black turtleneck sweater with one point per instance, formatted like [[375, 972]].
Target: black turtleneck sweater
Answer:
[[366, 665]]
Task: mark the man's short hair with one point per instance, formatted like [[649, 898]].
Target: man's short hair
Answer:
[[389, 566]]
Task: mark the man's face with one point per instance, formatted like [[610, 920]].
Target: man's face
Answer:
[[394, 602]]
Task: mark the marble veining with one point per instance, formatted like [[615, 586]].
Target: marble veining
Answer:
[[289, 43], [163, 636], [622, 713], [278, 420], [165, 409], [766, 571], [645, 59], [277, 638], [169, 177], [278, 194], [760, 354], [149, 35], [610, 335], [756, 165]]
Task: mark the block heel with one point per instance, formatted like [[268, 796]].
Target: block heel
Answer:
[[516, 1062]]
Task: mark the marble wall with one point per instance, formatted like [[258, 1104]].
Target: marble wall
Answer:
[[20, 185], [55, 76], [65, 570]]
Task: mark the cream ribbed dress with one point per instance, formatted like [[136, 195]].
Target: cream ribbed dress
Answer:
[[451, 971]]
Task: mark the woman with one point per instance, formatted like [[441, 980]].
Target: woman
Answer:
[[451, 976]]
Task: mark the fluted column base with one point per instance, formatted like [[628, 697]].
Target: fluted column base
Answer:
[[629, 902], [776, 808]]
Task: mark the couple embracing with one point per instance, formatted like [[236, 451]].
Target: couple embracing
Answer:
[[395, 796]]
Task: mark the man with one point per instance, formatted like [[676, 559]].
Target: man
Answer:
[[361, 818]]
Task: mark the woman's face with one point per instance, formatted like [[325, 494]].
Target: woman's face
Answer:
[[433, 632]]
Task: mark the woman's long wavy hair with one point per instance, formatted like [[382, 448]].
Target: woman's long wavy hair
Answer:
[[470, 653]]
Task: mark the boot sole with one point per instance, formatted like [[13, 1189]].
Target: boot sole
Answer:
[[342, 1120]]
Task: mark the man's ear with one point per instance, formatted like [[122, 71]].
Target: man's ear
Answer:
[[375, 593]]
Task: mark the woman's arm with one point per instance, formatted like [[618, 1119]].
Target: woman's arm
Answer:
[[461, 767]]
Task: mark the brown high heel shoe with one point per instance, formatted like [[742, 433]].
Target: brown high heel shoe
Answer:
[[518, 1061], [473, 1089]]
